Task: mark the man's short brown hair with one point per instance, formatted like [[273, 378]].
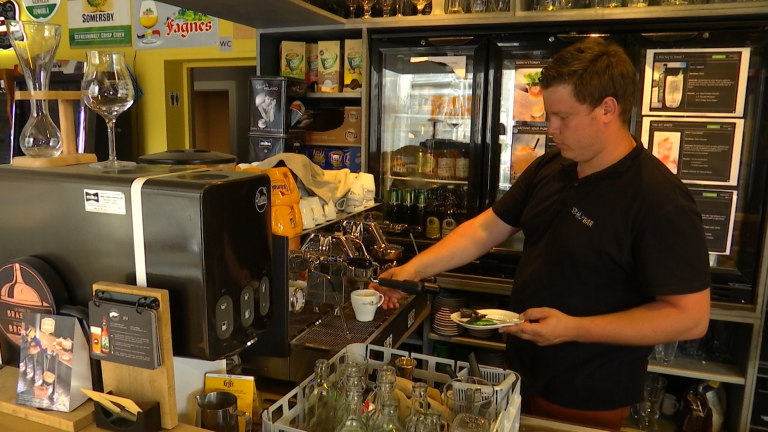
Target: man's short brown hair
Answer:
[[596, 69]]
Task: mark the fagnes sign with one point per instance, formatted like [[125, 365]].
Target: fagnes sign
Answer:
[[8, 11], [158, 25]]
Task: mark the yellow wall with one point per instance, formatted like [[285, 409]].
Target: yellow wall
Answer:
[[159, 71]]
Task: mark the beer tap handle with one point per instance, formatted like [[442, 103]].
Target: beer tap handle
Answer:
[[409, 286]]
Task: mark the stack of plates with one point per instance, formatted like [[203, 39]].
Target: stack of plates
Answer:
[[491, 358], [483, 333], [442, 308]]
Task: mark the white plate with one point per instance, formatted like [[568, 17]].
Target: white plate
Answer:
[[490, 313]]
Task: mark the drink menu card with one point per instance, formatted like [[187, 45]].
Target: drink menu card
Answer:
[[717, 208], [709, 82], [701, 151], [124, 334], [527, 98], [53, 363]]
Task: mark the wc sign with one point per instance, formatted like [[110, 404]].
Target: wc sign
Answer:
[[225, 44], [8, 11]]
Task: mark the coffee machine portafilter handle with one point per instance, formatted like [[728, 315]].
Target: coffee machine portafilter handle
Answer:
[[409, 286], [80, 313]]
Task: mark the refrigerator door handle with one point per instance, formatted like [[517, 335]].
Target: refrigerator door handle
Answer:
[[672, 36], [450, 41]]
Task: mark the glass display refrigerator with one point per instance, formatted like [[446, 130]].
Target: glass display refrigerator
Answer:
[[440, 104]]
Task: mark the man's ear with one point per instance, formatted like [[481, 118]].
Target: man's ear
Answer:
[[608, 110]]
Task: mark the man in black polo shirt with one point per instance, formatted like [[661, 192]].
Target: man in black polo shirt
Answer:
[[614, 260]]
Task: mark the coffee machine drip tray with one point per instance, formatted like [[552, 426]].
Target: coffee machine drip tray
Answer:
[[313, 340], [329, 334]]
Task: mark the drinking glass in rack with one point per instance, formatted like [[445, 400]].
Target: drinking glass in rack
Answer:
[[367, 5], [386, 6], [419, 5], [107, 90]]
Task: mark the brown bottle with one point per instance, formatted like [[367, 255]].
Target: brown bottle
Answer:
[[104, 336]]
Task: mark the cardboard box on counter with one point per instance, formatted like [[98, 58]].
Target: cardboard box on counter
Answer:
[[347, 133]]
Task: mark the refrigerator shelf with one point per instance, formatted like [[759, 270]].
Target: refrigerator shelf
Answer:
[[426, 180]]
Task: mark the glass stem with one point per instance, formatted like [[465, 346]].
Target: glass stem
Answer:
[[111, 133], [368, 11]]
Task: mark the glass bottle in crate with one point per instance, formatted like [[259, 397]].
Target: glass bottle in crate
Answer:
[[431, 422], [352, 414], [387, 420], [419, 406], [319, 406], [385, 391]]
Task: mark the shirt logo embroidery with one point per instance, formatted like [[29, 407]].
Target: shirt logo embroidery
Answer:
[[580, 216]]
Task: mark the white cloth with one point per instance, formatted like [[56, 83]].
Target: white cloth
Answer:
[[329, 185]]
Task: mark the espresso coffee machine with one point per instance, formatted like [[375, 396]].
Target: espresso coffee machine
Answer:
[[204, 236]]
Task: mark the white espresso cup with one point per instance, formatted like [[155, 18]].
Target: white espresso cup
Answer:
[[669, 405], [329, 210], [369, 186], [317, 209], [307, 215], [365, 302]]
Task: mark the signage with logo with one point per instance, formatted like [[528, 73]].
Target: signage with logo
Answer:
[[99, 23], [8, 10], [42, 10], [26, 287], [159, 25]]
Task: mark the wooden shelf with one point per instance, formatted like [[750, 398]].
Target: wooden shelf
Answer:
[[492, 343], [706, 370], [426, 180], [264, 13], [317, 95]]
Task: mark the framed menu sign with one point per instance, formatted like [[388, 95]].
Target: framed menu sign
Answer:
[[701, 151], [708, 82], [718, 208]]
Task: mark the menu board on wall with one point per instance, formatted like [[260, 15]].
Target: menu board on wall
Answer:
[[708, 82], [99, 23], [702, 151], [718, 210], [527, 99], [159, 25]]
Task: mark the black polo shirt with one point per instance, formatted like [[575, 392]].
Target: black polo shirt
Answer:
[[605, 243]]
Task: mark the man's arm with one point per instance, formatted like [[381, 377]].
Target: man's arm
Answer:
[[466, 243], [668, 319]]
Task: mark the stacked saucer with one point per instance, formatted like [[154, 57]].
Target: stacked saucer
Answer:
[[444, 305], [491, 358], [486, 333]]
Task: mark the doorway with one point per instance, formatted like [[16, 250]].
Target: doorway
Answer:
[[219, 105]]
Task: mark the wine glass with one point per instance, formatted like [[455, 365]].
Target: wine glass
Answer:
[[386, 5], [367, 4], [107, 89], [352, 4], [419, 5]]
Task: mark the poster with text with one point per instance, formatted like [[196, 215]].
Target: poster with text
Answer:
[[718, 211], [702, 151], [527, 99], [702, 81], [94, 23], [528, 143], [159, 25]]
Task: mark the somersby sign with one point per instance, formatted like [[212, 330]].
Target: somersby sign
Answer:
[[99, 22]]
